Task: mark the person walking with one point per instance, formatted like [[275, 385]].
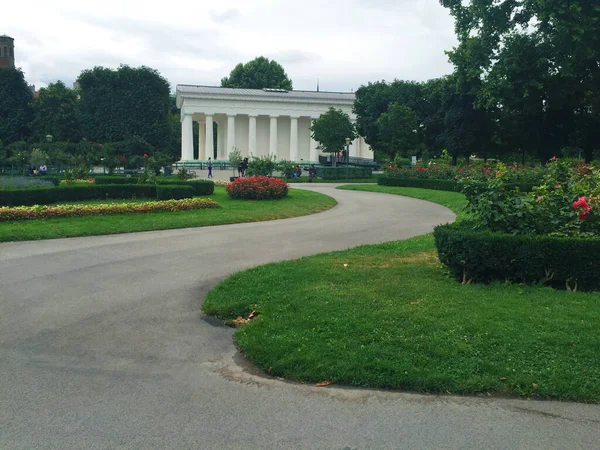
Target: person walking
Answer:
[[312, 173], [209, 166]]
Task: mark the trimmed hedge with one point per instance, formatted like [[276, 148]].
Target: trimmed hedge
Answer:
[[483, 257], [199, 187], [49, 195], [339, 173], [173, 192], [438, 185]]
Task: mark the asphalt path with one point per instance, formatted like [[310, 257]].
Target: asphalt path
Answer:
[[103, 345]]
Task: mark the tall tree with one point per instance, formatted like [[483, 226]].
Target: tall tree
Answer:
[[119, 104], [15, 109], [55, 113], [258, 74], [399, 131], [331, 130]]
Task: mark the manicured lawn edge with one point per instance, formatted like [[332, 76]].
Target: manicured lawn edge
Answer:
[[388, 316], [298, 203]]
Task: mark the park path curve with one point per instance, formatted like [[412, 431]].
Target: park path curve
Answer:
[[102, 345]]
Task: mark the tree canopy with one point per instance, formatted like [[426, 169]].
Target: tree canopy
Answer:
[[119, 104], [15, 110], [398, 130], [259, 73], [331, 130], [55, 113]]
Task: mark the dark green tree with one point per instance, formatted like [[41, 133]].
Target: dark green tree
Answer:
[[55, 113], [399, 131], [15, 109], [258, 74], [331, 130], [128, 102]]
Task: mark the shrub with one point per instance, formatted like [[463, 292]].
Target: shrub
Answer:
[[339, 173], [45, 212], [69, 193], [484, 256], [264, 165], [176, 192], [257, 188], [199, 187], [438, 185]]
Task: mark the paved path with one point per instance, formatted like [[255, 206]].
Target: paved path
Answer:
[[102, 345]]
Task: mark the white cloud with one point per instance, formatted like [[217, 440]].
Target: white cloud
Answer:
[[344, 43]]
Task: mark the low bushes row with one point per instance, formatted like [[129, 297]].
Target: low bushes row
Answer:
[[72, 193], [339, 173], [200, 187], [484, 256], [46, 212], [167, 192], [438, 185]]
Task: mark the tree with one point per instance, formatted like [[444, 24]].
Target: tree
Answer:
[[331, 130], [15, 110], [259, 73], [128, 102], [398, 131], [55, 113]]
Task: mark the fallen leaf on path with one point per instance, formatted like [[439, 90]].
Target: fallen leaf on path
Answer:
[[323, 383]]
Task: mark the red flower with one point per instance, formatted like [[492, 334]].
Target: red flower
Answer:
[[582, 206]]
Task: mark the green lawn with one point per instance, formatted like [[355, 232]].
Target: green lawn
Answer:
[[393, 319], [298, 203]]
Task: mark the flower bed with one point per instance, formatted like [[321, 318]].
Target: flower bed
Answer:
[[46, 212], [257, 188], [550, 235]]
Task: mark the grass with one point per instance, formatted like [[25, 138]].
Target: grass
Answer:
[[393, 319], [298, 203]]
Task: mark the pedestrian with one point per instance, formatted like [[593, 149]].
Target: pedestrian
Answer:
[[209, 165], [242, 167], [312, 173], [297, 173]]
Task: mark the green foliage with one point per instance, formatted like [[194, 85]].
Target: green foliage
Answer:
[[287, 167], [184, 174], [398, 131], [483, 256], [173, 192], [263, 165], [258, 74], [55, 113], [37, 157], [235, 157], [331, 130], [438, 185], [49, 195], [15, 109], [117, 105], [339, 173], [199, 187]]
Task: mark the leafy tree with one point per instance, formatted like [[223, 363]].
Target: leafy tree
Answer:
[[119, 104], [258, 74], [15, 110], [332, 129], [55, 113], [398, 131]]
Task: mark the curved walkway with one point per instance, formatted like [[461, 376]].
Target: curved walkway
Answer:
[[102, 345]]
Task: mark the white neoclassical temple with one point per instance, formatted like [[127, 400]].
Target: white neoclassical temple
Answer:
[[258, 122]]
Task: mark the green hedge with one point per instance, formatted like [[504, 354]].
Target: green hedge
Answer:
[[438, 185], [485, 257], [199, 187], [173, 192], [49, 195], [339, 173]]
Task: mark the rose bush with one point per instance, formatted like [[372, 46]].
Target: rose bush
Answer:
[[257, 188], [46, 212]]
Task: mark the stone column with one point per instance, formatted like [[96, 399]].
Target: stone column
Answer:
[[273, 137], [209, 148], [201, 140], [187, 137], [294, 139], [230, 134], [252, 136]]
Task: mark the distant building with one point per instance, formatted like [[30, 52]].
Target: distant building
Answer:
[[7, 51]]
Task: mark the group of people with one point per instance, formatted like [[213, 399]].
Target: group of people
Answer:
[[35, 171], [312, 173], [243, 166]]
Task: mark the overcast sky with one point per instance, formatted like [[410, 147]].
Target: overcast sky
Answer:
[[343, 43]]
